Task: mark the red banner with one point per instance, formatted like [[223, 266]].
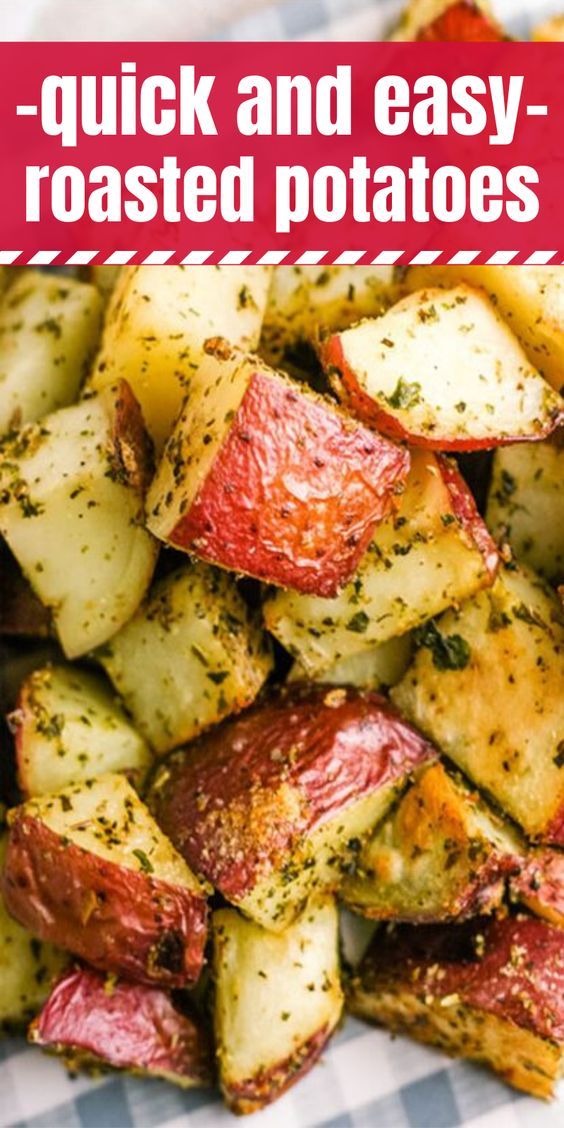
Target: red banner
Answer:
[[209, 152]]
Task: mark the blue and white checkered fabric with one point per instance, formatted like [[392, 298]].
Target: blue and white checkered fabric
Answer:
[[366, 1079]]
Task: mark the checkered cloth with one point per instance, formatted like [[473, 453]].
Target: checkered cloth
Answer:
[[366, 1079]]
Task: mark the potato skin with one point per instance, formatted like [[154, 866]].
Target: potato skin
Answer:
[[270, 1084], [461, 22], [75, 481], [366, 408], [295, 523], [540, 885], [397, 373], [508, 742], [490, 990], [113, 917], [236, 803], [440, 855], [92, 1020], [22, 614]]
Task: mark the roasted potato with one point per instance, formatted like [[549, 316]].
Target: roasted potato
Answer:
[[94, 1021], [550, 31], [434, 552], [379, 668], [440, 855], [529, 298], [278, 999], [191, 655], [275, 804], [526, 504], [158, 320], [22, 614], [442, 370], [71, 509], [88, 869], [49, 329], [540, 885], [305, 300], [105, 279], [467, 20], [486, 685], [232, 489], [26, 967], [69, 727], [489, 990]]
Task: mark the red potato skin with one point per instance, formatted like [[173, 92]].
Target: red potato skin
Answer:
[[21, 613], [117, 919], [464, 508], [370, 412], [555, 832], [122, 1025], [237, 801], [519, 978], [294, 493], [270, 1084], [540, 884], [461, 23], [132, 451]]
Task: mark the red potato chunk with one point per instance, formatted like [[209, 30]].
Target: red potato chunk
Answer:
[[490, 990], [278, 999], [266, 478], [442, 370], [92, 1020], [462, 22], [89, 870], [275, 803]]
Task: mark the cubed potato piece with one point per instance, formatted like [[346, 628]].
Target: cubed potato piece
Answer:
[[105, 279], [274, 804], [526, 504], [490, 990], [94, 1022], [442, 369], [267, 478], [303, 300], [486, 686], [22, 614], [49, 329], [88, 869], [379, 668], [550, 31], [540, 885], [440, 855], [529, 298], [464, 21], [450, 21], [71, 509], [69, 727], [434, 552], [27, 967], [191, 655], [278, 999], [157, 322]]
